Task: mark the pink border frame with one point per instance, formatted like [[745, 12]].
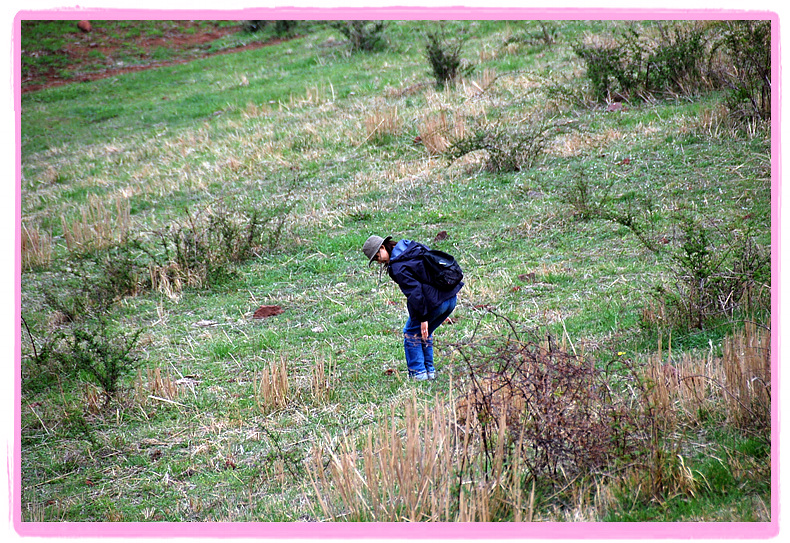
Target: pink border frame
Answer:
[[471, 531]]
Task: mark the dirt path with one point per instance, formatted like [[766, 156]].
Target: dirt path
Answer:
[[184, 42]]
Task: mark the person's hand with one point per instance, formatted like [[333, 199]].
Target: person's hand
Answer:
[[424, 330]]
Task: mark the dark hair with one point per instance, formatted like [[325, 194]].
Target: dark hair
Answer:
[[389, 245]]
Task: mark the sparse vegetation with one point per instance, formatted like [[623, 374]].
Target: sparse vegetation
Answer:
[[203, 342]]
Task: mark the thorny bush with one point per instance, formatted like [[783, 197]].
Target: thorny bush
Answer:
[[567, 416]]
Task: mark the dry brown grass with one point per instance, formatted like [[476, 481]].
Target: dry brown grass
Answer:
[[171, 279], [156, 385], [97, 226], [407, 470], [747, 369], [314, 95], [252, 110], [738, 383], [495, 393], [479, 85], [321, 380], [36, 247], [272, 389], [381, 124], [437, 132], [576, 143]]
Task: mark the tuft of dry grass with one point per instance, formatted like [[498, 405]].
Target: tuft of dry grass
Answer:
[[321, 380], [314, 95], [382, 124], [156, 385], [478, 86], [36, 248], [437, 132], [171, 279], [577, 143], [747, 369], [271, 389], [97, 227]]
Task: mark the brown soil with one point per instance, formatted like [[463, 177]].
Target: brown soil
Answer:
[[265, 311], [184, 41]]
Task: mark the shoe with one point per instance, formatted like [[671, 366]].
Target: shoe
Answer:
[[431, 375], [420, 376]]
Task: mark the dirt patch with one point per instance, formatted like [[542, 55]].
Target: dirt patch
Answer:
[[99, 53], [265, 311]]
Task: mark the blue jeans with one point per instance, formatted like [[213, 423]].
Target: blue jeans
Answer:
[[419, 352]]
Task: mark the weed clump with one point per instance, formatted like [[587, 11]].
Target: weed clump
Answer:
[[715, 269], [714, 273], [509, 146], [101, 355], [682, 59], [746, 68], [281, 28]]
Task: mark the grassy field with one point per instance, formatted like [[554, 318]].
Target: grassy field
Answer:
[[161, 209]]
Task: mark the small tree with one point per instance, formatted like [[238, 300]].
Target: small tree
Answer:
[[363, 35], [444, 56]]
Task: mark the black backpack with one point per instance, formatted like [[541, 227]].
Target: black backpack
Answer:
[[442, 269]]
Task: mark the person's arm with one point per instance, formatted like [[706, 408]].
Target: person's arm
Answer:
[[411, 287]]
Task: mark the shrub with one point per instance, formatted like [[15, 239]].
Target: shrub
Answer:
[[103, 357], [281, 28], [444, 56], [546, 35], [714, 273], [587, 197], [634, 65], [203, 248], [509, 146], [746, 67], [566, 412], [363, 36]]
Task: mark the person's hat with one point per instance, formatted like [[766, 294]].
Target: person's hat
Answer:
[[372, 246]]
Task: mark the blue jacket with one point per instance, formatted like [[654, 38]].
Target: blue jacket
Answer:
[[407, 270]]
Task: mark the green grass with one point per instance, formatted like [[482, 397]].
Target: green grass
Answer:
[[286, 123]]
